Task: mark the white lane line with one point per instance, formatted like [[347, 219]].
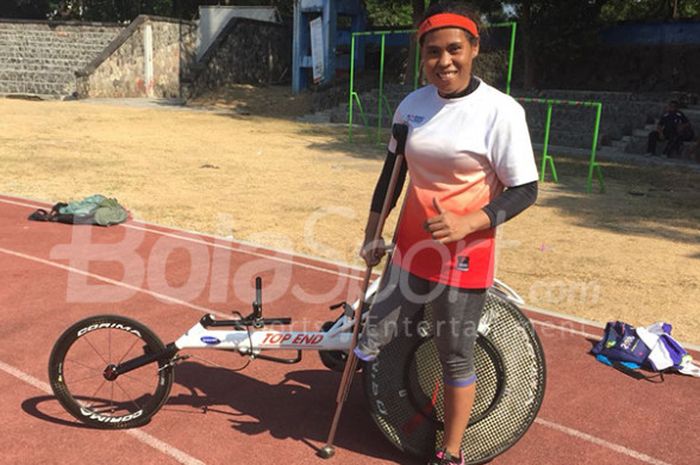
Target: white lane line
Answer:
[[601, 442], [565, 329], [268, 256], [27, 378], [142, 436], [113, 282], [564, 316], [164, 447]]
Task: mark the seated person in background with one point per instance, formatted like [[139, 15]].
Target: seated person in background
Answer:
[[673, 127]]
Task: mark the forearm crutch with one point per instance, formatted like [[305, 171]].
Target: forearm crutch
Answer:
[[400, 133]]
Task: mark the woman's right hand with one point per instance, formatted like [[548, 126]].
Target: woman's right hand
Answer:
[[373, 251]]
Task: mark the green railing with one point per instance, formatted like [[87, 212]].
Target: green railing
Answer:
[[354, 97], [548, 160], [511, 52]]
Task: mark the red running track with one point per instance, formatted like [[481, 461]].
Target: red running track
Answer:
[[55, 274]]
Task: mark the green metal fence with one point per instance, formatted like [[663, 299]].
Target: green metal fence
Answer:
[[548, 160], [382, 102]]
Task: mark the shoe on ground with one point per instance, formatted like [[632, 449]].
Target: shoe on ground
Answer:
[[442, 457]]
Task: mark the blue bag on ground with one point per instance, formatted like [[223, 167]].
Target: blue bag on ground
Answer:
[[620, 343]]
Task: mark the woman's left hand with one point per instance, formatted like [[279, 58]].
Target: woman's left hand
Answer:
[[449, 227]]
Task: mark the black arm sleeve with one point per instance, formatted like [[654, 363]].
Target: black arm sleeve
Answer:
[[511, 202], [380, 191]]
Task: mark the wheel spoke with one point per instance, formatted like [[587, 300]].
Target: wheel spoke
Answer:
[[133, 401], [85, 337], [89, 406], [73, 382], [138, 380], [111, 398], [136, 340], [72, 360]]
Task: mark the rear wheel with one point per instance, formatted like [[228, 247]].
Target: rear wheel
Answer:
[[80, 361], [405, 392]]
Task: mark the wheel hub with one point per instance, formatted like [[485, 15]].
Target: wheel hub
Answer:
[[110, 372]]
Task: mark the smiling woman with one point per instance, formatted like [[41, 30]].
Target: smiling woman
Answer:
[[472, 168]]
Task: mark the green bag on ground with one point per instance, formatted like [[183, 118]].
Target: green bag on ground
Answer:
[[95, 209]]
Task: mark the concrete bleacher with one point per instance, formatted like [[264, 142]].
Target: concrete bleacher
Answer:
[[41, 57], [637, 141]]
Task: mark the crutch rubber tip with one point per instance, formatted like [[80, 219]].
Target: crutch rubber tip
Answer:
[[326, 452]]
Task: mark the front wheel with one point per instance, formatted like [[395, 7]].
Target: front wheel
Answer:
[[77, 372]]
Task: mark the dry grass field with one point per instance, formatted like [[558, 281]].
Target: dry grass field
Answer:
[[251, 171]]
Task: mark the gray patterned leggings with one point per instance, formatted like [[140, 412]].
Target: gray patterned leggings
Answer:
[[456, 314]]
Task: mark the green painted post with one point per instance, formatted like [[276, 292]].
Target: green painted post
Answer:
[[593, 164], [363, 116], [352, 86], [381, 88], [511, 54], [545, 156]]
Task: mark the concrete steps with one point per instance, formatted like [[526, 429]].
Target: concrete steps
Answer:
[[636, 142], [55, 75], [41, 58], [35, 88], [24, 64]]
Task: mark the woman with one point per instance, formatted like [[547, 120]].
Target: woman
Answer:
[[471, 168]]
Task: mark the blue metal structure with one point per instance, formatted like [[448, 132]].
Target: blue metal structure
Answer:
[[329, 11], [653, 33]]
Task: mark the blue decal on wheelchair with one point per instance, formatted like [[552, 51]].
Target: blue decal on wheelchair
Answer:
[[210, 340]]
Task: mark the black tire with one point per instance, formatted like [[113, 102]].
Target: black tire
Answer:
[[404, 385], [77, 363], [333, 359]]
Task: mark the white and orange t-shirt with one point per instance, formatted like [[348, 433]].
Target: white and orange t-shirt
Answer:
[[463, 151]]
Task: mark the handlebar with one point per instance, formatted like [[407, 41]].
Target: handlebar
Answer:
[[208, 321]]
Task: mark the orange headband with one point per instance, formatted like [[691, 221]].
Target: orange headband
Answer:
[[447, 20]]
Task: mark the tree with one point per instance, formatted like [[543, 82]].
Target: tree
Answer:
[[550, 31], [389, 13], [640, 10], [27, 9]]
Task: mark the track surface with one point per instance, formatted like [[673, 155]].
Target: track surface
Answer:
[[55, 274]]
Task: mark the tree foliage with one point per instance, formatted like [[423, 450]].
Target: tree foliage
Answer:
[[381, 12], [558, 31], [642, 10], [389, 13]]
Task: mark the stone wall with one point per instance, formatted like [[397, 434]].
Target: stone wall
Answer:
[[247, 51], [41, 57], [120, 70]]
